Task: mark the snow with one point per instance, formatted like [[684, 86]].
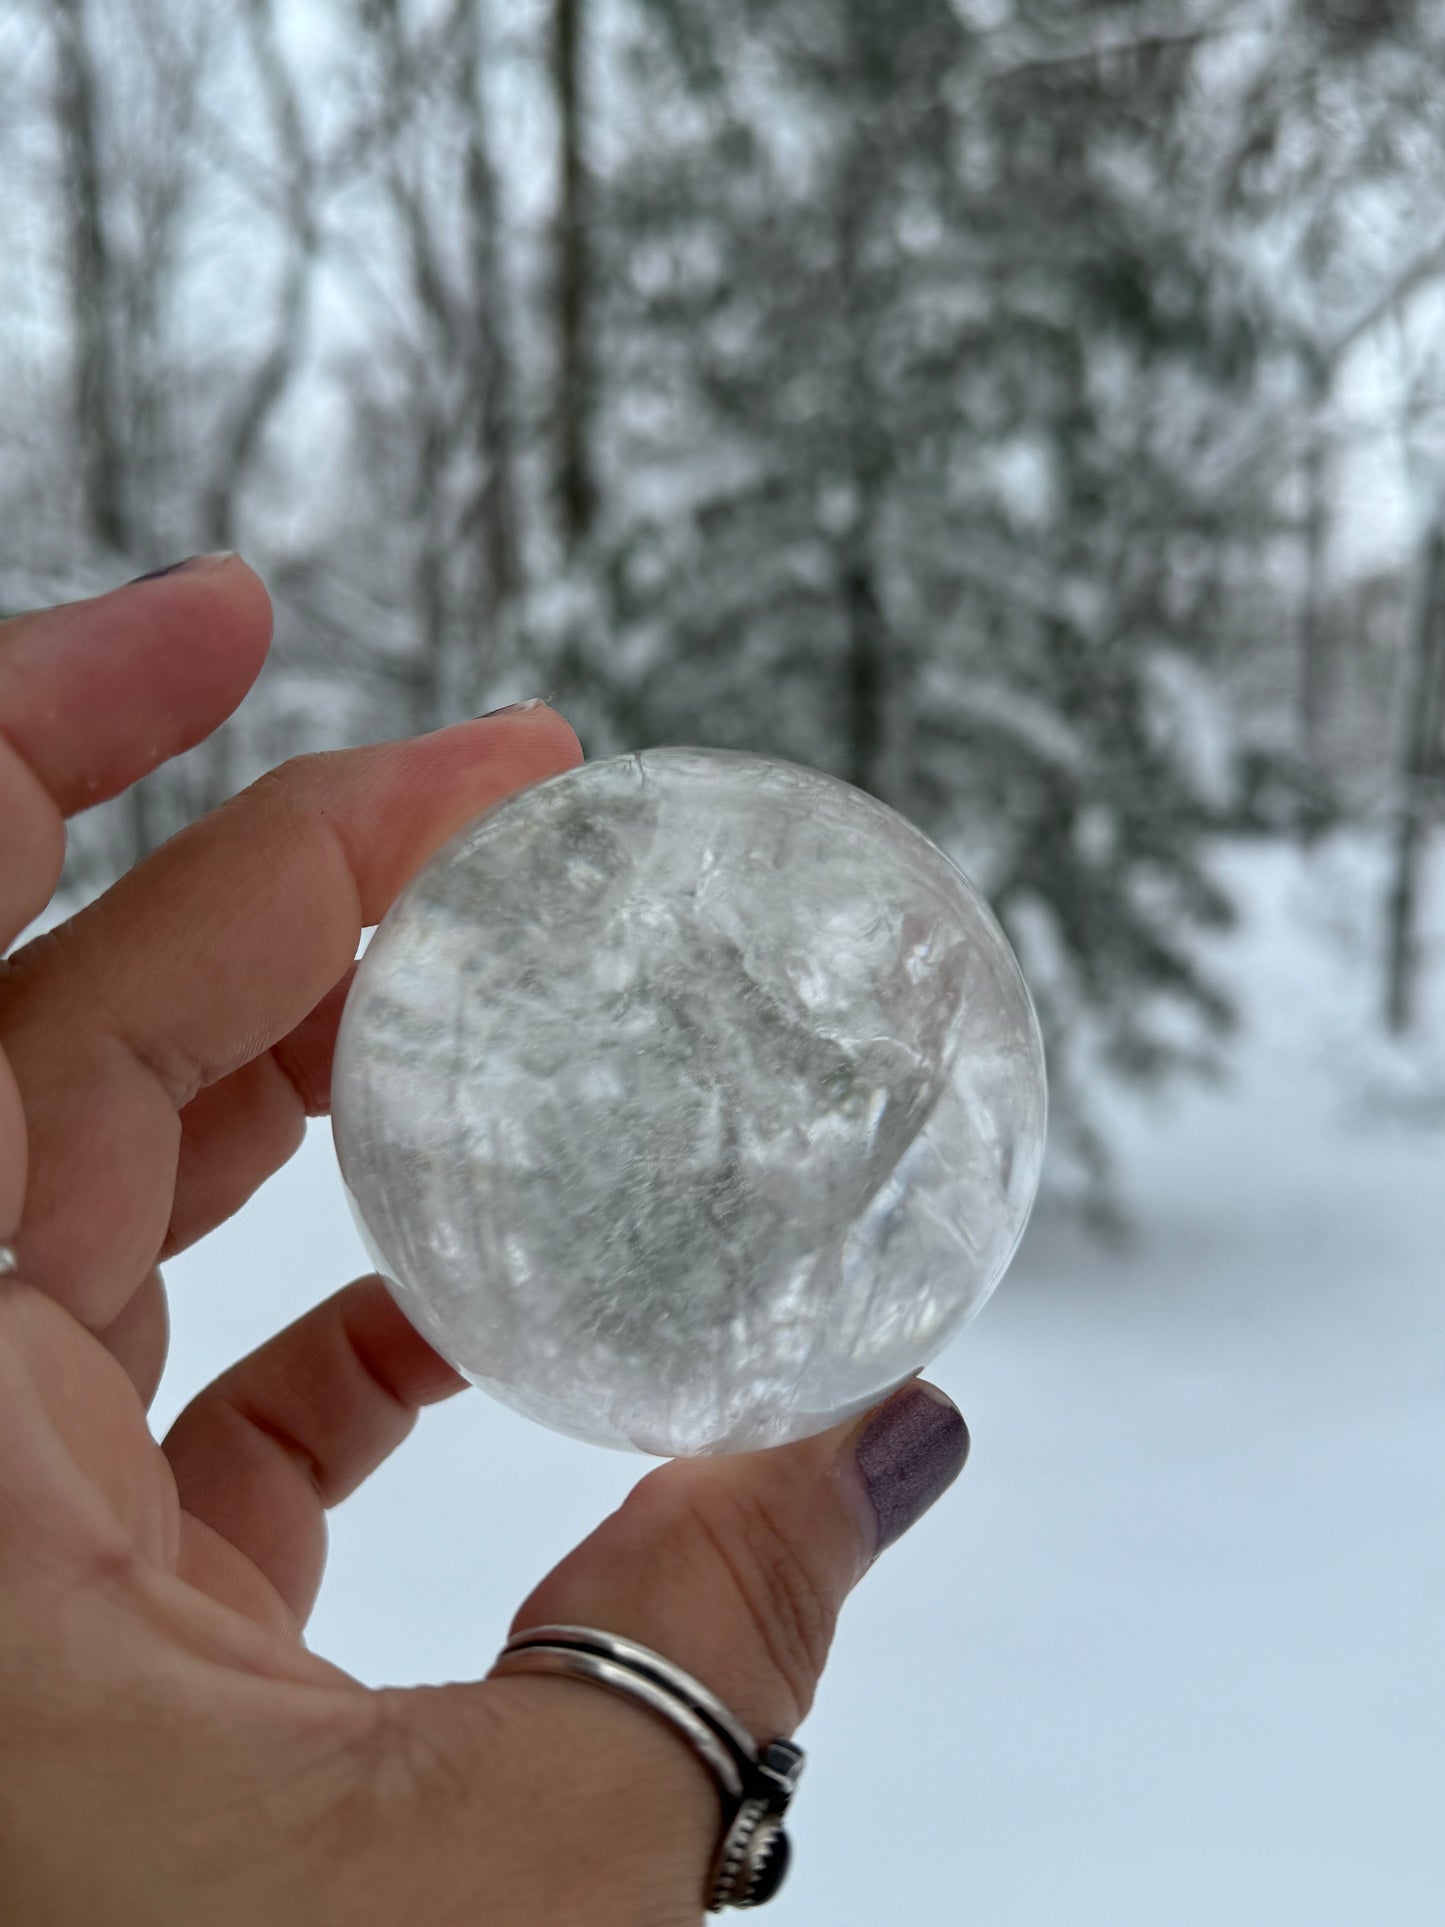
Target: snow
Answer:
[[1171, 1653]]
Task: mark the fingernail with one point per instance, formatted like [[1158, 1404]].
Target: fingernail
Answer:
[[189, 562], [511, 709], [909, 1455]]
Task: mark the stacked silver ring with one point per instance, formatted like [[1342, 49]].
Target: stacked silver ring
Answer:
[[755, 1783]]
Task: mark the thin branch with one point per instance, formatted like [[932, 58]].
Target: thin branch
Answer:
[[1420, 269], [96, 401]]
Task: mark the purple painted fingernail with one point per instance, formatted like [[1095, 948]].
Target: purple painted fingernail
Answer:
[[211, 561], [909, 1455]]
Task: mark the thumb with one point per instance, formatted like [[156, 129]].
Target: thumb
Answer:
[[735, 1569]]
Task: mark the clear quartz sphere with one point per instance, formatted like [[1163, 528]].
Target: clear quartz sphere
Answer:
[[690, 1101]]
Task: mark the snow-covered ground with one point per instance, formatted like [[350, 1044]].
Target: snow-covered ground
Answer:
[[1172, 1654]]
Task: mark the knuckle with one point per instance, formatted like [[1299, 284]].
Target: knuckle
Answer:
[[422, 1747], [70, 991], [295, 786], [781, 1593], [298, 771], [283, 786], [288, 804]]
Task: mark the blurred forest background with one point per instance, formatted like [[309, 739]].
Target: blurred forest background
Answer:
[[1029, 410]]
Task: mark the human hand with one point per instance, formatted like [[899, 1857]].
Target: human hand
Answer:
[[170, 1751]]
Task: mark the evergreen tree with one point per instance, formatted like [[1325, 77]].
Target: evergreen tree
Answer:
[[914, 354]]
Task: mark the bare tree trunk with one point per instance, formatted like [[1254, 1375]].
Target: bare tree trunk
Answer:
[[435, 346], [463, 524], [496, 506], [866, 667], [241, 435], [576, 486], [1314, 639], [96, 395], [1422, 716], [866, 686], [432, 600], [140, 834]]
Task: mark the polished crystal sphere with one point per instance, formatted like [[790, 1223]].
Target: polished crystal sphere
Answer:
[[690, 1101]]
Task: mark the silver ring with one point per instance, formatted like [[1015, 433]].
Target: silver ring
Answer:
[[754, 1783], [8, 1261]]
